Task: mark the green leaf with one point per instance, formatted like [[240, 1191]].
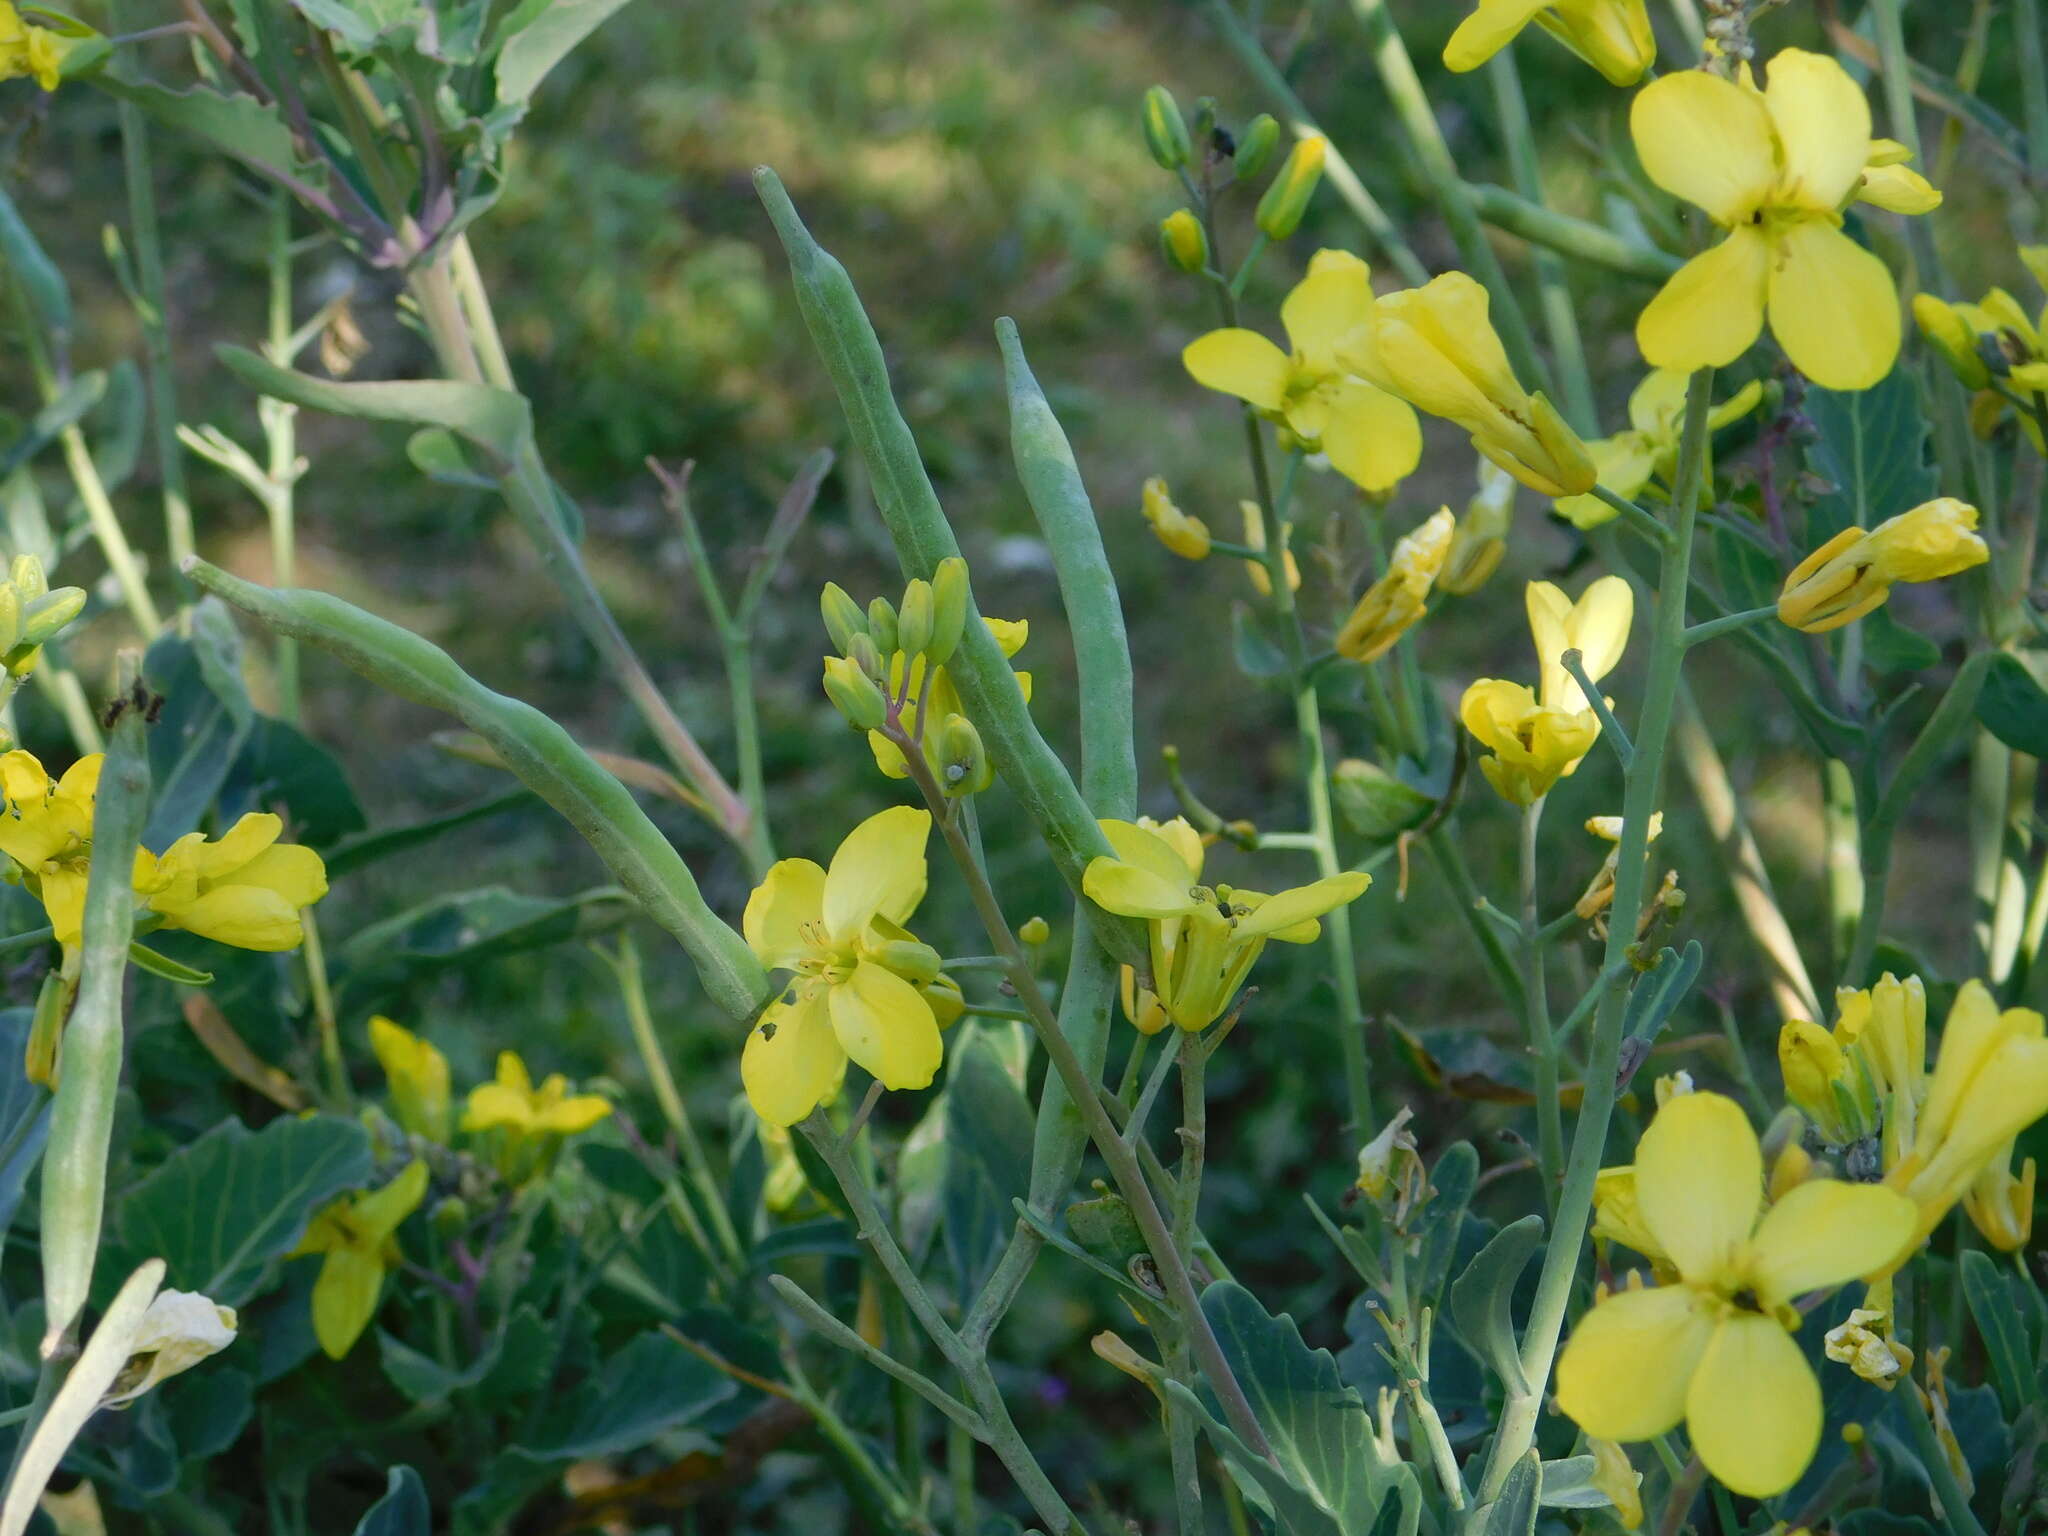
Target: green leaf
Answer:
[[1325, 1477], [208, 1410], [496, 420], [1872, 444], [205, 719], [468, 928], [651, 1386], [40, 277], [218, 1211], [239, 126], [1568, 1484], [81, 395], [1482, 1298], [988, 1161], [1890, 646], [1750, 578], [1653, 999], [2012, 706], [1987, 1290], [1257, 655], [1514, 1512], [1452, 1181], [538, 36], [436, 454], [24, 1114], [281, 768], [403, 1510], [147, 959], [355, 852]]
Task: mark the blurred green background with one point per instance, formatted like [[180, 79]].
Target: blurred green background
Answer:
[[966, 159]]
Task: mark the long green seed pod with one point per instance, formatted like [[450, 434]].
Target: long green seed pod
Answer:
[[846, 342], [1109, 767], [89, 1061], [543, 756]]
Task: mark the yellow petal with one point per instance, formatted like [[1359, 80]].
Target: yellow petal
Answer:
[[790, 897], [575, 1114], [1154, 851], [379, 1214], [884, 1024], [792, 1061], [1328, 304], [1753, 1408], [1824, 1233], [1699, 1181], [1833, 307], [1178, 835], [1898, 189], [63, 892], [1600, 622], [1373, 439], [491, 1105], [1273, 916], [1488, 30], [345, 1298], [1134, 891], [878, 871], [245, 916], [292, 870], [1712, 309], [1624, 1370], [1974, 1027], [512, 1074], [1657, 405], [1708, 141], [23, 779], [1241, 363], [1823, 123]]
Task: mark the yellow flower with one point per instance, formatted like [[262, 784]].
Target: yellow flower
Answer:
[[1204, 939], [1255, 539], [1615, 1476], [1435, 347], [1854, 571], [1611, 35], [1391, 606], [857, 971], [1864, 1345], [1536, 738], [357, 1234], [1712, 1350], [1869, 1073], [1773, 167], [942, 700], [1186, 536], [512, 1103], [1617, 1218], [1371, 439], [1889, 183], [246, 889], [1141, 1005], [46, 828], [1599, 893], [1993, 337], [1378, 1175], [1990, 1082], [1481, 537], [1648, 451], [34, 51], [418, 1077]]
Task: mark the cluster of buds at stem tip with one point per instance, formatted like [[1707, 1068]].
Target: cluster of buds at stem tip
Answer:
[[31, 613], [928, 623]]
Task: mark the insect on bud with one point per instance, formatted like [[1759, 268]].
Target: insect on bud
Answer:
[[964, 768], [1286, 200], [843, 616], [1256, 144], [949, 609], [1183, 242], [1166, 131]]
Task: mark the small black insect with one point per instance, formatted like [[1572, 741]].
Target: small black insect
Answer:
[[768, 1029], [1221, 141], [139, 698]]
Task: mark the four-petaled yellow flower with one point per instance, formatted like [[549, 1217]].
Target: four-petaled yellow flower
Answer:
[[1203, 938], [34, 51], [859, 981], [1611, 35], [521, 1127], [1994, 338], [1629, 461], [1436, 348], [358, 1236], [418, 1077], [1774, 168], [246, 889], [1537, 738], [1712, 1350], [1141, 1004], [1186, 536], [1391, 606], [940, 701], [1371, 438], [46, 828], [1855, 570]]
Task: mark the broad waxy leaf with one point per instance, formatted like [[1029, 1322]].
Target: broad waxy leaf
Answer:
[[402, 1511], [496, 420], [652, 1385], [538, 36], [1514, 1512], [2013, 707], [1872, 445], [988, 1157], [1482, 1297]]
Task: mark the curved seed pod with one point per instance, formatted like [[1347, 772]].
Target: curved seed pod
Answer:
[[543, 755]]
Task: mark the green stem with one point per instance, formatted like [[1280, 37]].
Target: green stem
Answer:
[[1583, 242], [339, 1091], [2032, 54], [280, 435], [1187, 1197], [1708, 629], [1956, 1514], [1846, 878], [1426, 137], [1644, 788], [1536, 1015]]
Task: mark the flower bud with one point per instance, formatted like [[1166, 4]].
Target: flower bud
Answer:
[[1166, 131], [1286, 200], [1256, 144], [949, 609], [26, 573], [882, 625], [1481, 537], [843, 617], [964, 768], [916, 963], [1948, 331], [1183, 241], [854, 694], [42, 617], [1034, 930], [1377, 804], [1186, 536], [46, 1028], [916, 618], [867, 656], [1205, 120], [942, 995], [10, 618]]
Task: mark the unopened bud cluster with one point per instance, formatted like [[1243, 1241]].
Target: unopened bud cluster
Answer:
[[1196, 153], [32, 612]]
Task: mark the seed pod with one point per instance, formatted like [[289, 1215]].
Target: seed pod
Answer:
[[916, 619], [1166, 131], [1256, 144], [964, 768], [843, 616], [854, 694], [949, 609], [1183, 242], [1286, 200], [882, 625]]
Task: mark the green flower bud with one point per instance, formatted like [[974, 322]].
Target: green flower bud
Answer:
[[1376, 803], [39, 1061], [916, 963], [916, 618], [1034, 930], [10, 617], [964, 768], [1166, 131], [26, 573], [42, 617], [1183, 241], [1205, 120], [882, 625], [854, 694], [949, 609], [843, 618], [867, 656], [449, 1216], [1286, 200], [1256, 144]]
